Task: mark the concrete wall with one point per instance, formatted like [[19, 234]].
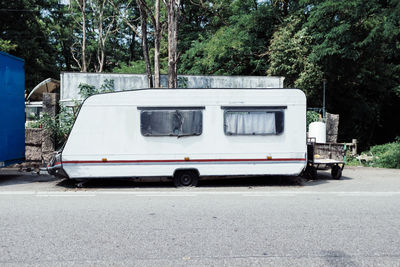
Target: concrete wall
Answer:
[[70, 81]]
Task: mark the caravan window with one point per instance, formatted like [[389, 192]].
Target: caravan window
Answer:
[[253, 122], [171, 122]]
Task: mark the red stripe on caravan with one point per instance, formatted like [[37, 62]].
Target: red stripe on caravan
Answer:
[[177, 160]]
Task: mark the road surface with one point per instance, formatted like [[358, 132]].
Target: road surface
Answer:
[[280, 221]]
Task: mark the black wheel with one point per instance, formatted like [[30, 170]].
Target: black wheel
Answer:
[[336, 172], [186, 178], [80, 183]]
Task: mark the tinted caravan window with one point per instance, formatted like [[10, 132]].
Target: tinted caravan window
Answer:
[[171, 122], [256, 122]]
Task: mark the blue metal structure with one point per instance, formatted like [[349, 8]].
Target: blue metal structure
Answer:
[[12, 109]]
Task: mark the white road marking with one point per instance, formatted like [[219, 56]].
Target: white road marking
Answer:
[[65, 195], [17, 192], [247, 193], [93, 193], [356, 194], [166, 195], [269, 195]]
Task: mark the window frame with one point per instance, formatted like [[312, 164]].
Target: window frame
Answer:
[[177, 109], [271, 109]]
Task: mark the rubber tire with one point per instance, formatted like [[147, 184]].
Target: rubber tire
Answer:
[[186, 179], [336, 172]]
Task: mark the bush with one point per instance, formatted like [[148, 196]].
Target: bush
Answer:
[[383, 156], [59, 126], [86, 90], [135, 67], [34, 124], [312, 116], [386, 155], [352, 160]]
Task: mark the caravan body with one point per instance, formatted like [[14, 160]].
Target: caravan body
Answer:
[[213, 132]]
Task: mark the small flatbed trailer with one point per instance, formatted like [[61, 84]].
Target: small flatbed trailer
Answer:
[[328, 155]]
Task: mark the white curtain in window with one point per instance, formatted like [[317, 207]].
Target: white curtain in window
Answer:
[[257, 122]]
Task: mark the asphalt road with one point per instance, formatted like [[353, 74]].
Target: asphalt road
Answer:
[[242, 222]]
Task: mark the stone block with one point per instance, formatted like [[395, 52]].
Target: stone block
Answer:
[[332, 127], [33, 153], [48, 142], [48, 145], [33, 136], [50, 103]]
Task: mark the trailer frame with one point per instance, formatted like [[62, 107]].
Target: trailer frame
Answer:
[[327, 155]]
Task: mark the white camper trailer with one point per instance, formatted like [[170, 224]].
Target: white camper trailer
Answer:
[[185, 134]]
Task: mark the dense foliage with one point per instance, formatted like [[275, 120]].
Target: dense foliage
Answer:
[[382, 156], [59, 126], [353, 44], [386, 156], [312, 116]]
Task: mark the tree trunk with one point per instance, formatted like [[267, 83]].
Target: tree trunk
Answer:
[[132, 48], [84, 67], [100, 43], [285, 8], [145, 48], [172, 7], [157, 37]]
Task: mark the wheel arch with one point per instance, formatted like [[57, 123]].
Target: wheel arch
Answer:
[[179, 170]]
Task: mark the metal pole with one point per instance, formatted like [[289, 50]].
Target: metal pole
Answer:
[[323, 99]]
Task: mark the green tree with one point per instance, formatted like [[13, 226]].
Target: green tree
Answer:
[[135, 67], [60, 25], [23, 24], [289, 56], [94, 22], [354, 45], [238, 46], [361, 67], [7, 46]]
